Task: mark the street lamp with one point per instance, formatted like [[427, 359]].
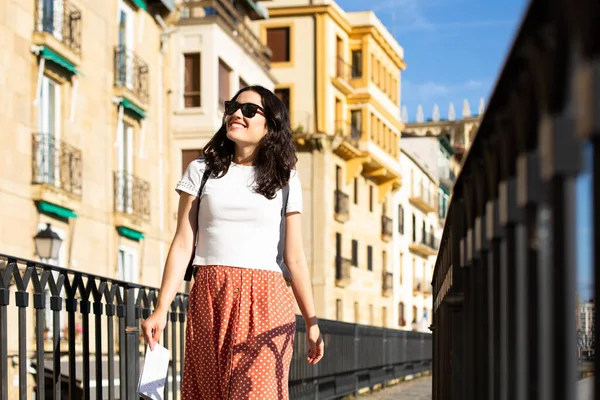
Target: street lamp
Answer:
[[47, 244]]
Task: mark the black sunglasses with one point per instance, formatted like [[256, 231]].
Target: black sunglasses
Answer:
[[249, 110]]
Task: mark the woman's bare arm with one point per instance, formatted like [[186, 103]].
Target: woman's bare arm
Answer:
[[180, 250]]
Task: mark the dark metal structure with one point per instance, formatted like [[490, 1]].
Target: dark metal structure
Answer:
[[505, 278], [95, 324]]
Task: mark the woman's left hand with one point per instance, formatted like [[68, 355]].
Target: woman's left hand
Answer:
[[316, 347]]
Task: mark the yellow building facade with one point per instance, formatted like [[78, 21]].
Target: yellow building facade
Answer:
[[339, 74]]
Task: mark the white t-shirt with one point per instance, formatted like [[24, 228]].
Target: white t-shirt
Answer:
[[238, 227]]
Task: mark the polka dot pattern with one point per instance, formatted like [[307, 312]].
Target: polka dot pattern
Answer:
[[239, 335]]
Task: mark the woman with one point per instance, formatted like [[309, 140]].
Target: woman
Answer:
[[241, 323]]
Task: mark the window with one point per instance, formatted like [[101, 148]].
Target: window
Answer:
[[49, 124], [354, 252], [356, 63], [384, 262], [338, 246], [414, 228], [125, 169], [284, 95], [401, 320], [355, 124], [191, 86], [278, 40], [384, 316], [356, 313], [355, 190], [338, 177], [400, 219], [370, 198], [187, 156], [126, 41], [339, 315], [126, 265], [370, 258], [401, 270], [224, 77]]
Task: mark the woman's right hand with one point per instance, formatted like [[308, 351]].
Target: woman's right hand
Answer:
[[153, 327]]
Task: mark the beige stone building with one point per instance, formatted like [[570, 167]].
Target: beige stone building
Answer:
[[339, 74], [84, 145]]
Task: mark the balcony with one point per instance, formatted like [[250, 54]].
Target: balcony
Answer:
[[342, 76], [57, 26], [56, 168], [342, 271], [131, 77], [347, 140], [387, 284], [417, 286], [231, 21], [342, 206], [387, 228], [422, 199], [132, 200], [425, 247]]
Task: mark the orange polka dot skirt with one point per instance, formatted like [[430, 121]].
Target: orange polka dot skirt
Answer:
[[239, 335]]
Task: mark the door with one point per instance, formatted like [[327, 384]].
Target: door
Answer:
[[125, 55], [51, 17], [48, 133], [125, 170]]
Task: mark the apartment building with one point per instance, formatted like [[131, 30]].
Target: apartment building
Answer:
[[84, 145], [416, 240], [339, 74], [215, 52]]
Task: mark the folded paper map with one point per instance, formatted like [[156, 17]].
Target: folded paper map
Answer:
[[153, 376]]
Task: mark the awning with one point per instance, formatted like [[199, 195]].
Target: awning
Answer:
[[132, 108], [49, 54], [140, 4], [258, 9], [130, 233], [55, 210]]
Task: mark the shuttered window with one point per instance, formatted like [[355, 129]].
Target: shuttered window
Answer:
[[191, 90], [370, 258], [278, 40], [224, 78]]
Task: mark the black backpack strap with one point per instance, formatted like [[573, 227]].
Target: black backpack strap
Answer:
[[286, 272], [189, 272]]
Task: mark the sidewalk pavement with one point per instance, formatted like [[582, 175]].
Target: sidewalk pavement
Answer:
[[415, 389]]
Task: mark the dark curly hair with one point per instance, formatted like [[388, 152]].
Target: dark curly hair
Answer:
[[275, 153]]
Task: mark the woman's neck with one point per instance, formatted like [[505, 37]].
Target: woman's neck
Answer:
[[244, 156]]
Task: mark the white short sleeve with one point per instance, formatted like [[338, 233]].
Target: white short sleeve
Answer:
[[294, 203], [192, 178]]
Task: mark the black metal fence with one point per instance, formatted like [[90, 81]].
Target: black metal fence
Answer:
[[56, 163], [62, 20], [132, 73], [98, 353], [505, 314]]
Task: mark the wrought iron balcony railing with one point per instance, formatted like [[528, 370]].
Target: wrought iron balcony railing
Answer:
[[343, 70], [132, 195], [342, 206], [349, 132], [108, 347], [225, 14], [56, 163], [62, 20], [131, 72]]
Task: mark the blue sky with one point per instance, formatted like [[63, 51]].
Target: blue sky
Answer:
[[454, 49], [584, 229]]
